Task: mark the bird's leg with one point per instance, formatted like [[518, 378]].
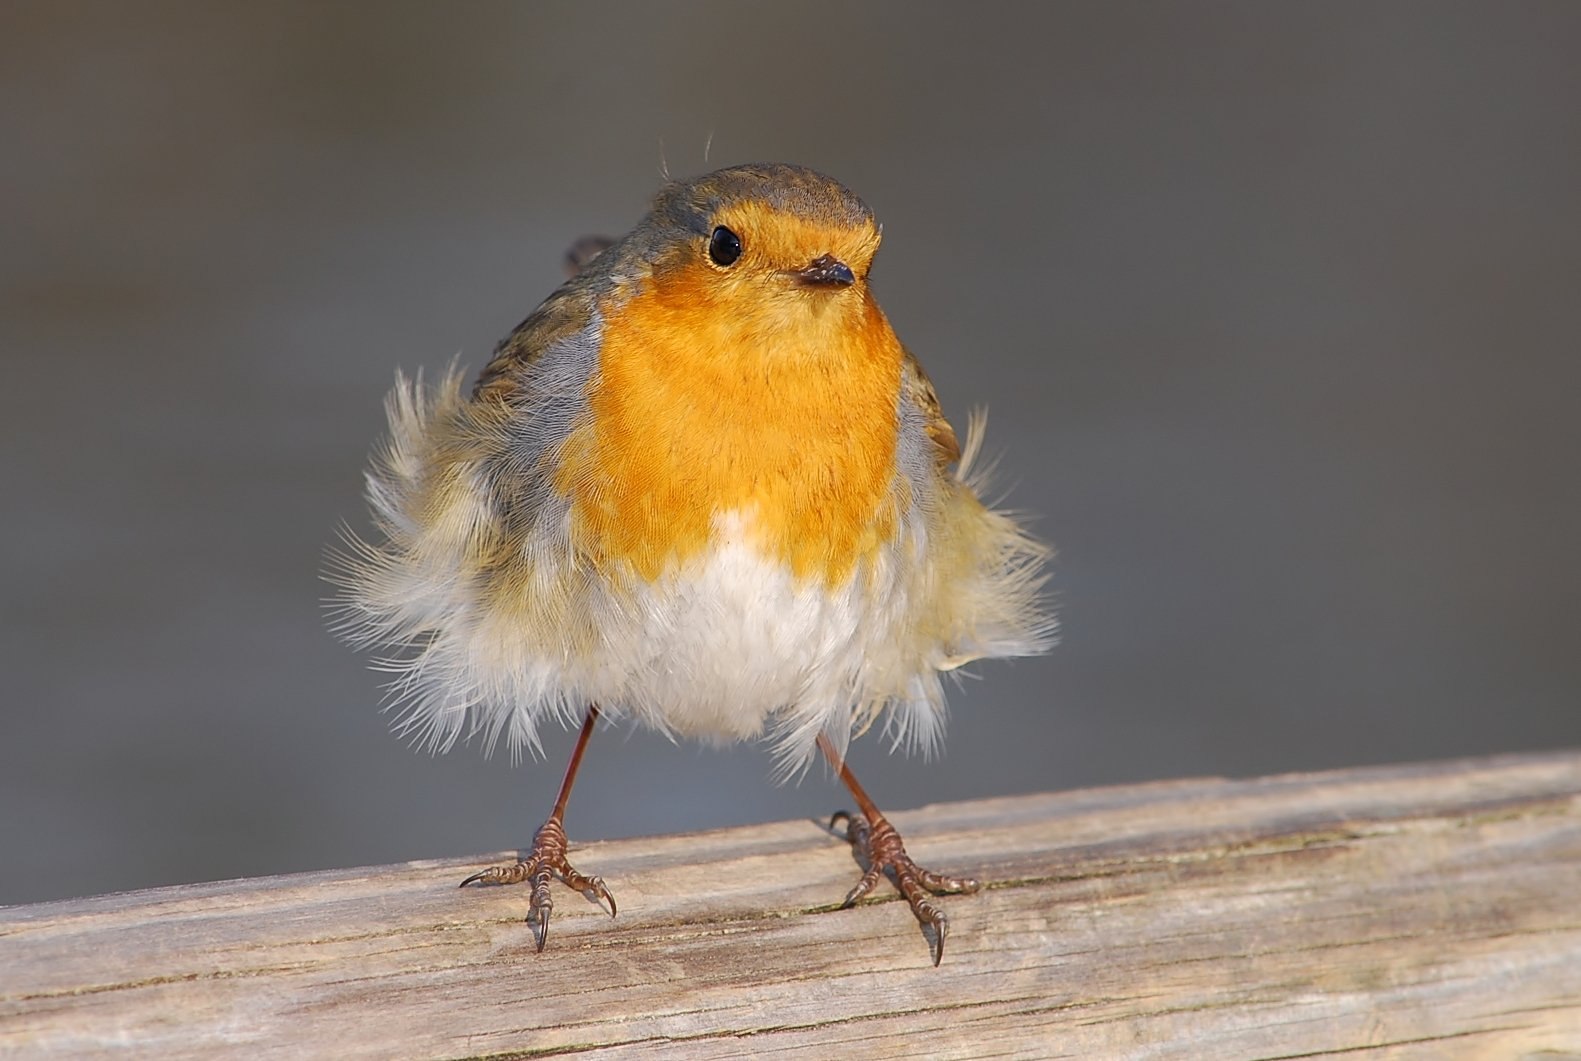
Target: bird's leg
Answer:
[[870, 833], [547, 855]]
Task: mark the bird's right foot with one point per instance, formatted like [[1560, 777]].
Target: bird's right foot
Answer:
[[546, 859]]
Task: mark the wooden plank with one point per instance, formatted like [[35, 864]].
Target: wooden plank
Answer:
[[1419, 911]]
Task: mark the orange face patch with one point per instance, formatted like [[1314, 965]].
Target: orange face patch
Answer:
[[737, 393]]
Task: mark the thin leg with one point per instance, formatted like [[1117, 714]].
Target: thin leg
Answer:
[[870, 833], [547, 857]]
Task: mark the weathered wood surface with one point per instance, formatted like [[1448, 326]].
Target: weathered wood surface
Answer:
[[1420, 911]]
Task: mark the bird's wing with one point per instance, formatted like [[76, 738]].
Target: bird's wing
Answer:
[[561, 316], [919, 390]]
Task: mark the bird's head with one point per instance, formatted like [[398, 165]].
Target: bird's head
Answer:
[[773, 249]]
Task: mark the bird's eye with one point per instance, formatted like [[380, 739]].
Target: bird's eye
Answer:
[[724, 246]]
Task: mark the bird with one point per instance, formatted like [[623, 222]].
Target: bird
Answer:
[[705, 488]]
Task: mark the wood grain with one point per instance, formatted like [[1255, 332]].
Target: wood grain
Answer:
[[1424, 911]]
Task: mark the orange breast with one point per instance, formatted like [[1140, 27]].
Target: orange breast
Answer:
[[710, 402]]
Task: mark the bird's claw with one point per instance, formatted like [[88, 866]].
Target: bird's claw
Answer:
[[546, 859], [882, 849]]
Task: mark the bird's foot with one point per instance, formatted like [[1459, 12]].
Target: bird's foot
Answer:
[[546, 859], [881, 847]]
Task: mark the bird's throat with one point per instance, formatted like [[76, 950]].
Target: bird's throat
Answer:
[[696, 415]]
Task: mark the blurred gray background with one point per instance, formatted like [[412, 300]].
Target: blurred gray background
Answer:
[[1275, 307]]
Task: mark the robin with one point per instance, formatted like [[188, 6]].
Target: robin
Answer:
[[705, 487]]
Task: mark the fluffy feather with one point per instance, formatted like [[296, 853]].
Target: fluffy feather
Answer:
[[717, 503], [490, 641]]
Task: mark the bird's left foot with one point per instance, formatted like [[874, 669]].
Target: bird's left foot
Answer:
[[880, 846]]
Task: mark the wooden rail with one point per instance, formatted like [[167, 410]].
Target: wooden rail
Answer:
[[1425, 911]]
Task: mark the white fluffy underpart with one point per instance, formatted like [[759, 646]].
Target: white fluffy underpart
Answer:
[[495, 624], [732, 646]]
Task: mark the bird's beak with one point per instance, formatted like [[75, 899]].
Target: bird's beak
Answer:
[[825, 271]]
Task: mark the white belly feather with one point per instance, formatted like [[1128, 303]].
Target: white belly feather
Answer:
[[733, 637]]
